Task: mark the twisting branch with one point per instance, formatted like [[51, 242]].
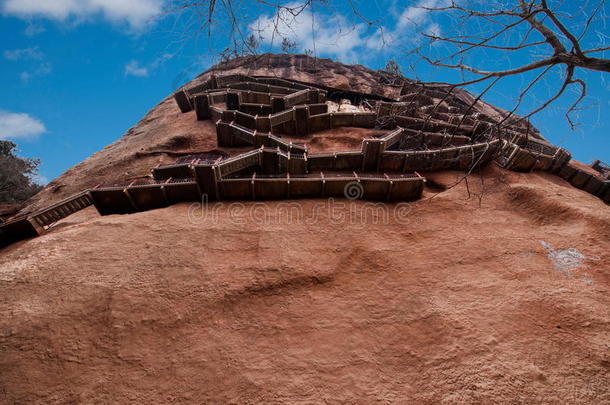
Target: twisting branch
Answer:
[[540, 34], [566, 48]]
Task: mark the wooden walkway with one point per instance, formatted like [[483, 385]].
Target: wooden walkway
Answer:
[[258, 111]]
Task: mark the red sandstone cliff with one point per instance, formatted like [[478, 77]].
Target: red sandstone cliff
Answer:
[[452, 299]]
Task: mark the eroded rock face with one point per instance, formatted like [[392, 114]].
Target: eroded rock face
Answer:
[[451, 299]]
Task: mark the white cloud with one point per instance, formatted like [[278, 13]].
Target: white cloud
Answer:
[[135, 12], [40, 179], [41, 70], [133, 68], [19, 126], [329, 35], [417, 14], [36, 66], [23, 54], [33, 29], [409, 24], [334, 35], [434, 29]]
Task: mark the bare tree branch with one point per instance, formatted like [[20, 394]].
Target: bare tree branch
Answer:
[[505, 28]]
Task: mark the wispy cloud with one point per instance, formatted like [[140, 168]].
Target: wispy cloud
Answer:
[[334, 35], [23, 54], [434, 29], [40, 179], [33, 59], [418, 14], [133, 68], [327, 34], [411, 21], [33, 29], [19, 126], [41, 70], [136, 13]]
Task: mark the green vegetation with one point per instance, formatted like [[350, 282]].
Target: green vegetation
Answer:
[[16, 175]]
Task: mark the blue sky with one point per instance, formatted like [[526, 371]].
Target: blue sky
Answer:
[[75, 75]]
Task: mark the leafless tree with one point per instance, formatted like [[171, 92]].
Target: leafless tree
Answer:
[[288, 46], [544, 33], [392, 67], [557, 44]]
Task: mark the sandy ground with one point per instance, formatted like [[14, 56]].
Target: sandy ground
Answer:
[[452, 299]]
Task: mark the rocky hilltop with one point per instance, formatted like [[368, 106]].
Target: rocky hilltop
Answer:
[[165, 134], [491, 288]]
